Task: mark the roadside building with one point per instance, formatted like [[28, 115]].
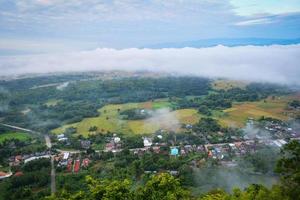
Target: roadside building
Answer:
[[174, 151]]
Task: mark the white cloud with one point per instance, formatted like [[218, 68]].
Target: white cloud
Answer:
[[255, 22], [275, 63]]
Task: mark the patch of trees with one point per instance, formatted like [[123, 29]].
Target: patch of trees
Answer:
[[135, 114], [35, 176], [295, 104], [36, 165], [207, 125], [262, 161], [163, 186]]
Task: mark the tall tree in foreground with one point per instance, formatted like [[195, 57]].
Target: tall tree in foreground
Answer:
[[289, 168]]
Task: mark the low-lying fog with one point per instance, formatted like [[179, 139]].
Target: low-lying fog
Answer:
[[276, 63]]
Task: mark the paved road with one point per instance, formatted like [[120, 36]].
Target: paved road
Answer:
[[53, 182], [48, 144], [48, 141]]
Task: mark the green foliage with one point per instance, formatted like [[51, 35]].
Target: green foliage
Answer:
[[207, 125], [163, 187], [263, 160], [289, 167], [135, 114], [253, 192]]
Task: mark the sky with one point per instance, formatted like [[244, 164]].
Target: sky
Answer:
[[39, 26], [38, 36]]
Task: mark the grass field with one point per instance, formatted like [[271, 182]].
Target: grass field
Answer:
[[110, 119], [240, 112], [222, 84], [14, 135]]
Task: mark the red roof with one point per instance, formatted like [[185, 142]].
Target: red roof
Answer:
[[19, 174], [18, 157], [77, 166], [86, 162], [3, 174], [69, 166]]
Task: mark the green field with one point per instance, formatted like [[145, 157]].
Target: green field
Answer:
[[14, 135], [110, 119]]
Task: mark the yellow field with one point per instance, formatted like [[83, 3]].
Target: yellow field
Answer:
[[240, 112], [111, 121], [228, 84]]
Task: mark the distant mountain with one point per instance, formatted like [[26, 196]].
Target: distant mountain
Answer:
[[226, 42]]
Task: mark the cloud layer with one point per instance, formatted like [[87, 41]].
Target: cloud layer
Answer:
[[279, 64]]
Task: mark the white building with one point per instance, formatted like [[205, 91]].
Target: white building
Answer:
[[147, 142]]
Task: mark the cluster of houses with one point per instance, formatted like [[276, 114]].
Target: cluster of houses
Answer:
[[226, 151], [65, 160], [114, 145], [280, 130], [20, 159]]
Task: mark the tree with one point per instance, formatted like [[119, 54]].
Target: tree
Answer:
[[289, 167], [163, 187]]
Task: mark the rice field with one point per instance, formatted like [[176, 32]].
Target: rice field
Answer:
[[110, 119], [240, 112]]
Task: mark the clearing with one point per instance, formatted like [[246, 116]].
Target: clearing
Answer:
[[222, 84]]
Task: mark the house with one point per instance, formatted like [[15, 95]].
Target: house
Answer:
[[77, 166], [156, 149], [117, 140], [85, 162], [63, 139], [85, 144], [173, 172], [174, 151], [109, 146], [66, 155], [18, 174], [147, 142], [60, 136], [4, 175], [69, 165]]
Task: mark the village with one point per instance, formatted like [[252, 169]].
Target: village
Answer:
[[74, 161]]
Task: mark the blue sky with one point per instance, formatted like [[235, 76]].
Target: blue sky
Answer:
[[43, 26]]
